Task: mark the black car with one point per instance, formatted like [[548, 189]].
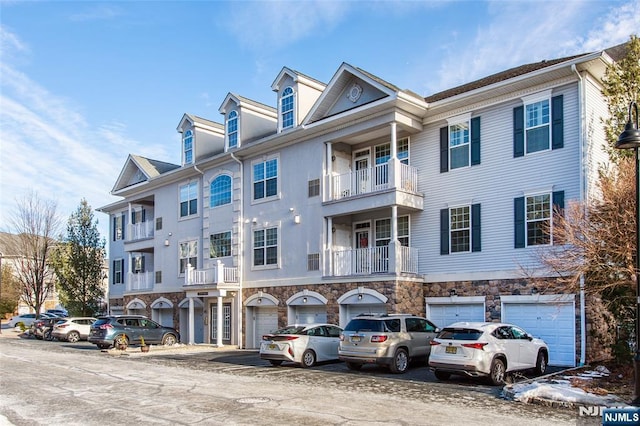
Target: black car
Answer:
[[43, 326], [130, 329]]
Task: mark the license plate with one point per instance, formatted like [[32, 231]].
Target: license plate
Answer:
[[273, 347], [356, 339], [451, 349]]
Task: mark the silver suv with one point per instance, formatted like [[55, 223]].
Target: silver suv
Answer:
[[391, 340]]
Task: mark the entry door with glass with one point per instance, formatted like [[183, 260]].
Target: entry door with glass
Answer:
[[362, 176], [361, 261], [226, 323]]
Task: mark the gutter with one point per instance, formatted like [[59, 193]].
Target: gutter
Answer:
[[583, 183], [240, 251]]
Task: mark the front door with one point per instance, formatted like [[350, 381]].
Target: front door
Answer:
[[361, 166], [361, 253], [226, 323]]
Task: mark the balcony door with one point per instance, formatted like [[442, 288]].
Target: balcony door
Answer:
[[361, 161], [362, 236]]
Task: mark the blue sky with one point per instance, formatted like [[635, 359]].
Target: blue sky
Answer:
[[83, 84]]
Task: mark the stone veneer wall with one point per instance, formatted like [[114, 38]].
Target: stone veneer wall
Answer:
[[404, 297]]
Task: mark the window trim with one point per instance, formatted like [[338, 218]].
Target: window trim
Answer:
[[286, 96], [211, 244], [181, 271], [189, 199], [278, 246], [120, 271], [188, 135], [232, 118], [230, 191], [475, 228], [266, 197]]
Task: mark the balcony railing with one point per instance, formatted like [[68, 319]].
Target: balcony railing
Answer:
[[377, 178], [140, 281], [219, 274], [373, 260], [140, 230]]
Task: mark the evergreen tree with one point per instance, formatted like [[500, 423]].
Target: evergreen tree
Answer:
[[78, 263]]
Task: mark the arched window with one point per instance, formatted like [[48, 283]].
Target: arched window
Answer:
[[286, 107], [187, 147], [232, 130], [220, 191]]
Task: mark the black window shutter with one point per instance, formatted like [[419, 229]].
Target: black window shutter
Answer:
[[114, 228], [475, 141], [124, 217], [113, 268], [557, 128], [518, 131], [133, 217], [475, 228], [558, 209], [444, 149], [143, 217], [519, 226], [444, 231]]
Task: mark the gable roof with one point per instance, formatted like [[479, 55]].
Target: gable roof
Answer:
[[297, 76], [243, 102], [139, 169]]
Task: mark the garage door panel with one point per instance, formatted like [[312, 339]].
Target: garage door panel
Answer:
[[310, 314], [355, 310], [444, 314], [266, 321], [552, 322]]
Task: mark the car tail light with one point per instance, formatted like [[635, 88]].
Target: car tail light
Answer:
[[475, 345], [62, 325], [342, 337], [434, 343], [378, 339], [105, 326], [292, 337]]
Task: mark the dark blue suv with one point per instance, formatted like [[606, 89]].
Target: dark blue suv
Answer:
[[130, 329]]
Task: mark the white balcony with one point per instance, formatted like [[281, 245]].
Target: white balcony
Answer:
[[378, 178], [140, 281], [374, 260], [140, 230], [218, 275]]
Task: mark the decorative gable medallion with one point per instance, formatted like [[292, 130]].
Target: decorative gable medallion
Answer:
[[354, 93]]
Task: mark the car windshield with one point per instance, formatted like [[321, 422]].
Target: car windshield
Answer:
[[459, 334], [290, 330]]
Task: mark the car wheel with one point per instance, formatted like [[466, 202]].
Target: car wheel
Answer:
[[442, 375], [169, 340], [275, 363], [354, 366], [541, 363], [400, 362], [498, 372], [308, 358], [73, 337]]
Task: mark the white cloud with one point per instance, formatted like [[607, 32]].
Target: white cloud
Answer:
[[96, 13]]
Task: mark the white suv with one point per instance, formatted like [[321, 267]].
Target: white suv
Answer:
[[386, 339], [73, 329], [486, 349]]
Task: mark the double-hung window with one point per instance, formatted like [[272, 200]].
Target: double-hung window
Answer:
[[533, 218], [286, 108], [460, 229], [220, 191], [383, 231], [265, 179], [232, 130], [460, 143], [220, 244], [538, 124], [187, 147], [118, 227], [118, 271], [189, 199], [188, 253], [265, 247]]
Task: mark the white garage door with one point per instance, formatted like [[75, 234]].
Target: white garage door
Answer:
[[552, 322], [445, 314], [266, 321], [310, 314]]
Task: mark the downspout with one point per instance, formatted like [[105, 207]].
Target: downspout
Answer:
[[240, 251], [581, 142]]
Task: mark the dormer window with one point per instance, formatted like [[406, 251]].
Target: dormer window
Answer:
[[187, 147], [232, 130], [286, 108]]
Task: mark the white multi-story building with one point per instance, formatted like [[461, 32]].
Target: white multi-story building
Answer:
[[356, 196]]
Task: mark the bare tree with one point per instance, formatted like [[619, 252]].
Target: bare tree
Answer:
[[35, 226]]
